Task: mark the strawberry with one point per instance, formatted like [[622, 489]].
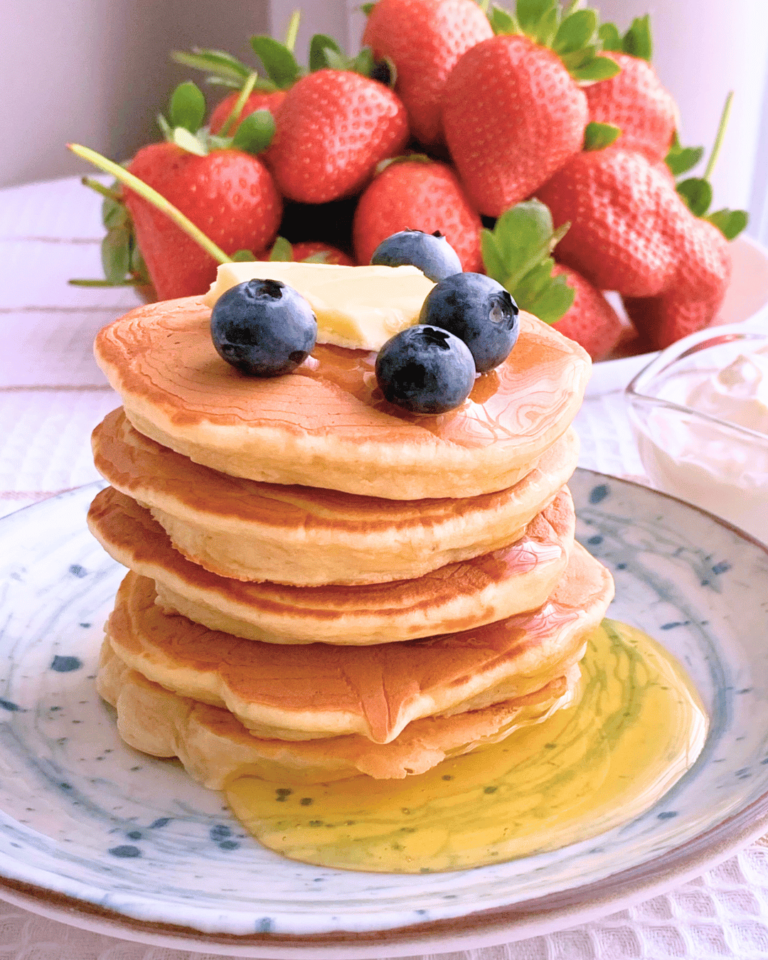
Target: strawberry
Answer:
[[333, 127], [625, 218], [258, 100], [512, 117], [512, 112], [591, 321], [227, 193], [634, 228], [695, 292], [634, 100], [424, 39], [417, 194]]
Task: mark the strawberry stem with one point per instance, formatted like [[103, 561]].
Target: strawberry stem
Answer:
[[293, 30], [720, 136], [104, 283], [151, 196], [236, 110], [100, 188]]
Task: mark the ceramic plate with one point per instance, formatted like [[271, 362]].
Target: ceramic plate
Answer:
[[96, 834]]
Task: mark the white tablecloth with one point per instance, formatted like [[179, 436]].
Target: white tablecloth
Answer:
[[52, 395]]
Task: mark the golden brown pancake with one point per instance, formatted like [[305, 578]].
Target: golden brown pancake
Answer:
[[374, 691], [215, 747], [303, 535], [327, 424], [456, 597]]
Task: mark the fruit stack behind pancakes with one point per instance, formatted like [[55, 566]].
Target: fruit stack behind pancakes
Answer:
[[323, 584]]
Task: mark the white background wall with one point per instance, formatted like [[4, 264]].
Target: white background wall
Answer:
[[97, 71]]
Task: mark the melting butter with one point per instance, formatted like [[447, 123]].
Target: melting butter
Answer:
[[635, 729], [356, 307]]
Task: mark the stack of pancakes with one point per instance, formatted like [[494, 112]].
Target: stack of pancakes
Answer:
[[321, 584]]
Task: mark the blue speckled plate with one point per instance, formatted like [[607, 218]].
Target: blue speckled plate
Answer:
[[98, 835]]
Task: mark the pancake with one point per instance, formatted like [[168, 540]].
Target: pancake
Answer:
[[215, 747], [303, 535], [374, 691], [456, 597], [327, 424]]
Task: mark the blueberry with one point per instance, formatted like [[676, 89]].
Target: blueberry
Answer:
[[263, 327], [425, 370], [430, 252], [479, 311]]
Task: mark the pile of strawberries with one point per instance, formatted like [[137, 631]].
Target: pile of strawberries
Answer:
[[540, 143]]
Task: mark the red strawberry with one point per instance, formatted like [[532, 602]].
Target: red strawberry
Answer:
[[418, 195], [512, 116], [625, 218], [228, 194], [591, 321], [696, 291], [424, 39], [636, 102], [259, 100], [333, 127]]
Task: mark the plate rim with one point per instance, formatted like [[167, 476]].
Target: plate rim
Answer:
[[488, 927]]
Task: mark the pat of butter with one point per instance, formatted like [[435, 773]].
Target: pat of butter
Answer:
[[356, 307]]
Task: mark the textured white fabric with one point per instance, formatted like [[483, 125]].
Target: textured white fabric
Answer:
[[52, 395]]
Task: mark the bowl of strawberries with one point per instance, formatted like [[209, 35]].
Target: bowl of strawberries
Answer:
[[540, 142]]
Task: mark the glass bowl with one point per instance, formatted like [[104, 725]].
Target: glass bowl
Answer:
[[683, 410]]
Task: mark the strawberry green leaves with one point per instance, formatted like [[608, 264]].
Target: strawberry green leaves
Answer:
[[729, 222], [187, 111], [538, 19], [255, 132], [277, 58], [222, 68], [278, 61], [502, 21], [326, 54], [697, 194], [321, 47], [571, 34], [187, 108], [121, 258], [636, 41], [517, 254], [598, 136], [697, 191], [282, 251], [575, 32], [682, 159]]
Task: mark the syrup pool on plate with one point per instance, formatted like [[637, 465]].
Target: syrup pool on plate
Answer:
[[636, 726]]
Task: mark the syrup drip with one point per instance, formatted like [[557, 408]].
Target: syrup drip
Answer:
[[637, 726], [501, 405]]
